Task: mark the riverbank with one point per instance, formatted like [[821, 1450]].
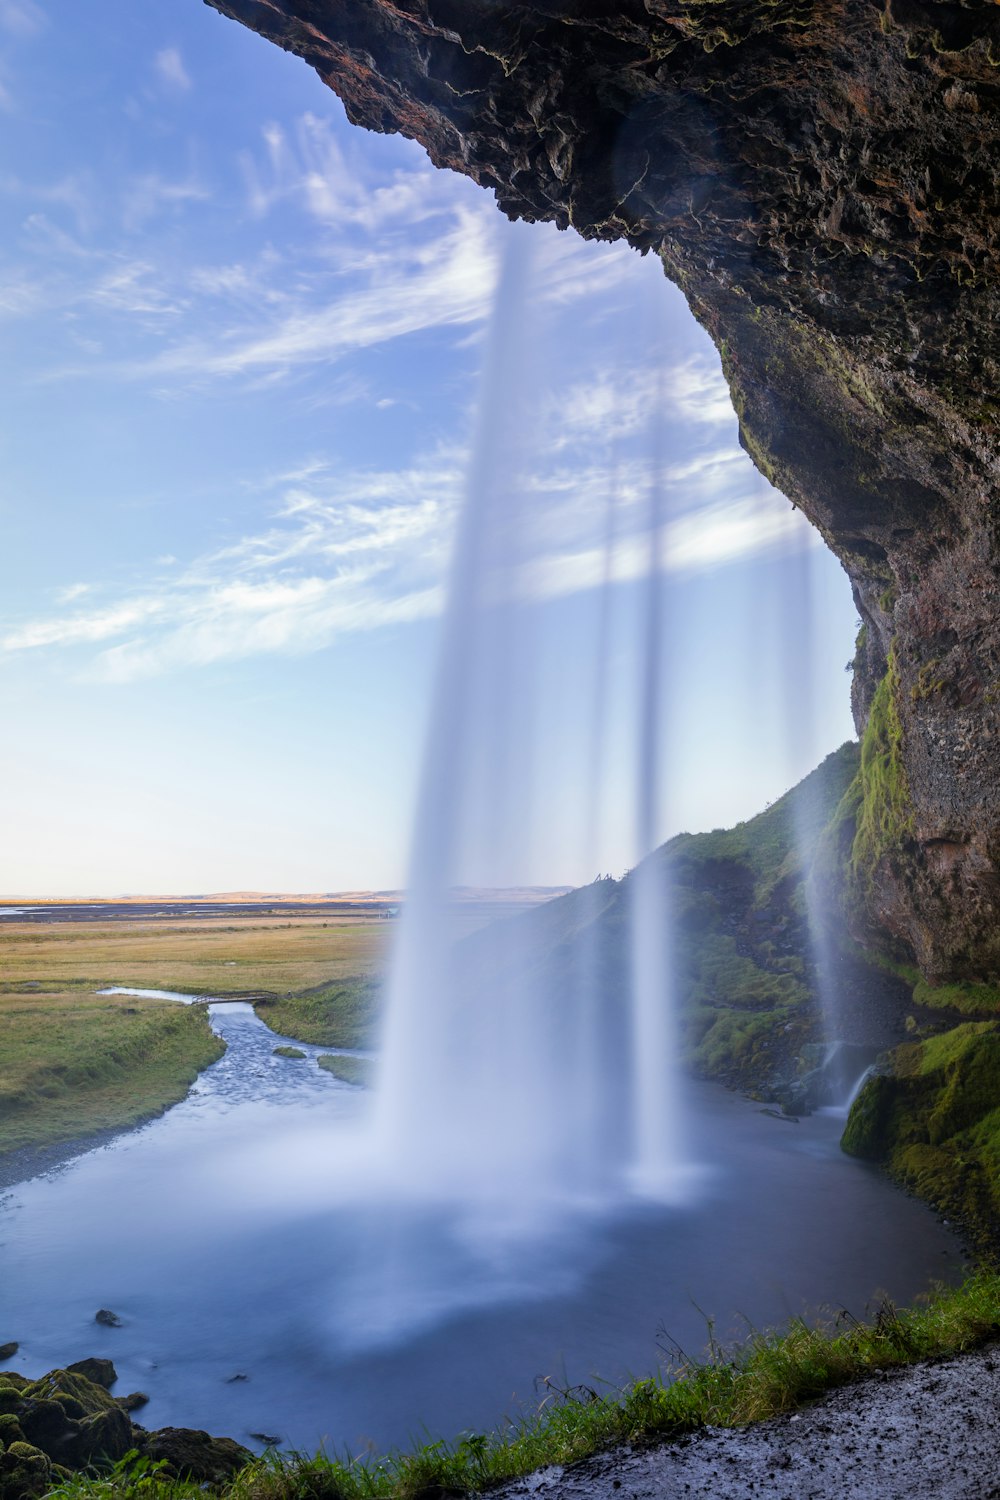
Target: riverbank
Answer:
[[80, 1067], [901, 1406]]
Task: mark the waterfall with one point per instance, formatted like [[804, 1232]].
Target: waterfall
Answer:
[[511, 1070]]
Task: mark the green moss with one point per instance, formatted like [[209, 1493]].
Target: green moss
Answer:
[[292, 1052], [935, 1123], [880, 802], [929, 682]]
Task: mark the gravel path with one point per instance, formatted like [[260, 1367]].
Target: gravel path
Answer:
[[930, 1432]]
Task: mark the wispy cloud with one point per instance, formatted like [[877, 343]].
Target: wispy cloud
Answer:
[[352, 551], [170, 69]]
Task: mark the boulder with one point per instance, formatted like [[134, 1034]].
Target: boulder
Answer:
[[25, 1472], [190, 1453], [101, 1371]]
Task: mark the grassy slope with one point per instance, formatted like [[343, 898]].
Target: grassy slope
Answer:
[[748, 987]]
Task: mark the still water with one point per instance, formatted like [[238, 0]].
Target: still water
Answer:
[[272, 1280]]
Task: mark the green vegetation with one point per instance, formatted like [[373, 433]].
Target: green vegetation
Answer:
[[978, 1001], [934, 1122], [744, 949], [883, 811], [333, 1015], [292, 1052], [72, 1064], [356, 1070], [772, 1373], [229, 956]]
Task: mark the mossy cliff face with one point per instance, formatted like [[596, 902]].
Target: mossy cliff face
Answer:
[[818, 176], [934, 1121]]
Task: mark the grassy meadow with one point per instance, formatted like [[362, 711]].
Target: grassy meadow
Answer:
[[73, 1062]]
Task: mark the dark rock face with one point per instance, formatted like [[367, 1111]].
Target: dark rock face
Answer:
[[819, 176]]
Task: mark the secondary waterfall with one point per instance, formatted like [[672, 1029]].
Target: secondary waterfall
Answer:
[[510, 1070]]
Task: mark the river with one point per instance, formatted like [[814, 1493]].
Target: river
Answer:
[[269, 1282]]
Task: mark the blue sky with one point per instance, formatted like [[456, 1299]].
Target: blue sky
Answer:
[[242, 349]]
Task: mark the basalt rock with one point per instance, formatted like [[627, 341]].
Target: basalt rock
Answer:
[[819, 176]]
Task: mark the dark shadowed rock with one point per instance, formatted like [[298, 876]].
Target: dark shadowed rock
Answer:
[[820, 181], [25, 1472], [101, 1371], [133, 1401], [74, 1421], [191, 1454], [7, 1351], [107, 1318]]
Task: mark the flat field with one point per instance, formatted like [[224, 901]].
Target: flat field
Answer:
[[73, 1062], [233, 956]]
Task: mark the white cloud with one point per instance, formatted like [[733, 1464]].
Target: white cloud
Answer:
[[170, 69], [443, 282], [354, 551]]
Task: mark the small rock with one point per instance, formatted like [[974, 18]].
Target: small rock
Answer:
[[266, 1438], [101, 1371], [7, 1351], [134, 1401], [232, 1379], [107, 1317]]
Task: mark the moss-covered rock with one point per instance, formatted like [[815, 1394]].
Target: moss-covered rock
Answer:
[[189, 1453], [934, 1122], [73, 1420], [25, 1472]]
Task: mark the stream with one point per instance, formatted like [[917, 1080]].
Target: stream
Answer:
[[273, 1283]]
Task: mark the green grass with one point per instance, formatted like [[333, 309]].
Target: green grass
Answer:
[[228, 956], [73, 1064], [770, 1374], [343, 1014], [356, 1070], [295, 1053]]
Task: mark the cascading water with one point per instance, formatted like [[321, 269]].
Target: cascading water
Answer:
[[654, 1046], [507, 1074]]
